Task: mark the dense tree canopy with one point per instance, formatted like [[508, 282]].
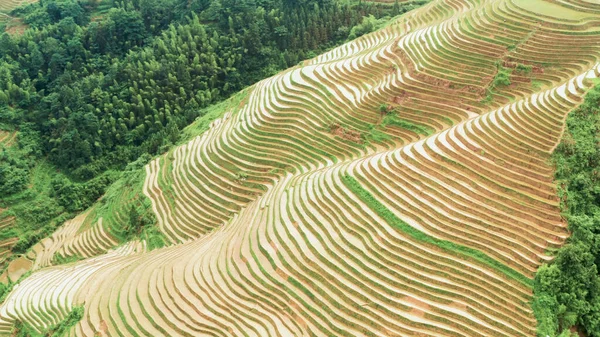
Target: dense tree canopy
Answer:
[[567, 291], [101, 92]]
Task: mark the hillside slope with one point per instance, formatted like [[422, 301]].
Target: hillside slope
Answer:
[[396, 185]]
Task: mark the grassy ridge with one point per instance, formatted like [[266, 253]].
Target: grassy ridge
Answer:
[[394, 120], [382, 211]]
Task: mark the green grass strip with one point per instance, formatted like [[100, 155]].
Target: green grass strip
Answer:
[[62, 329], [394, 120], [374, 204]]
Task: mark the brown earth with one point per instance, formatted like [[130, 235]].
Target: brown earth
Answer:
[[418, 307], [351, 135], [18, 267]]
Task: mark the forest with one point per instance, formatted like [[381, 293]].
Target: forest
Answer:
[[101, 92], [92, 86], [567, 291]]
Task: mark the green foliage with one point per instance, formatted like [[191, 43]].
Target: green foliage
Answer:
[[241, 176], [537, 85], [382, 211], [36, 220], [125, 198], [153, 236], [49, 199], [393, 120], [390, 118], [37, 214], [61, 329], [43, 13], [59, 259], [208, 115], [17, 161], [138, 217], [14, 174], [522, 68], [567, 290], [371, 23], [74, 196], [375, 135], [368, 24], [502, 78], [384, 108], [100, 94], [5, 289]]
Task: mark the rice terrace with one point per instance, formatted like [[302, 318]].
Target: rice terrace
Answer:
[[435, 173]]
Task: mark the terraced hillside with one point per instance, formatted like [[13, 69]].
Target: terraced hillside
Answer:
[[395, 186], [7, 139], [6, 6]]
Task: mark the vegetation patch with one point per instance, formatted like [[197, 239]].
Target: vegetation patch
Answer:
[[59, 259], [501, 79], [524, 69], [125, 200], [36, 213], [567, 290], [48, 200], [374, 134], [61, 329], [382, 211], [5, 289], [392, 119], [31, 190]]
